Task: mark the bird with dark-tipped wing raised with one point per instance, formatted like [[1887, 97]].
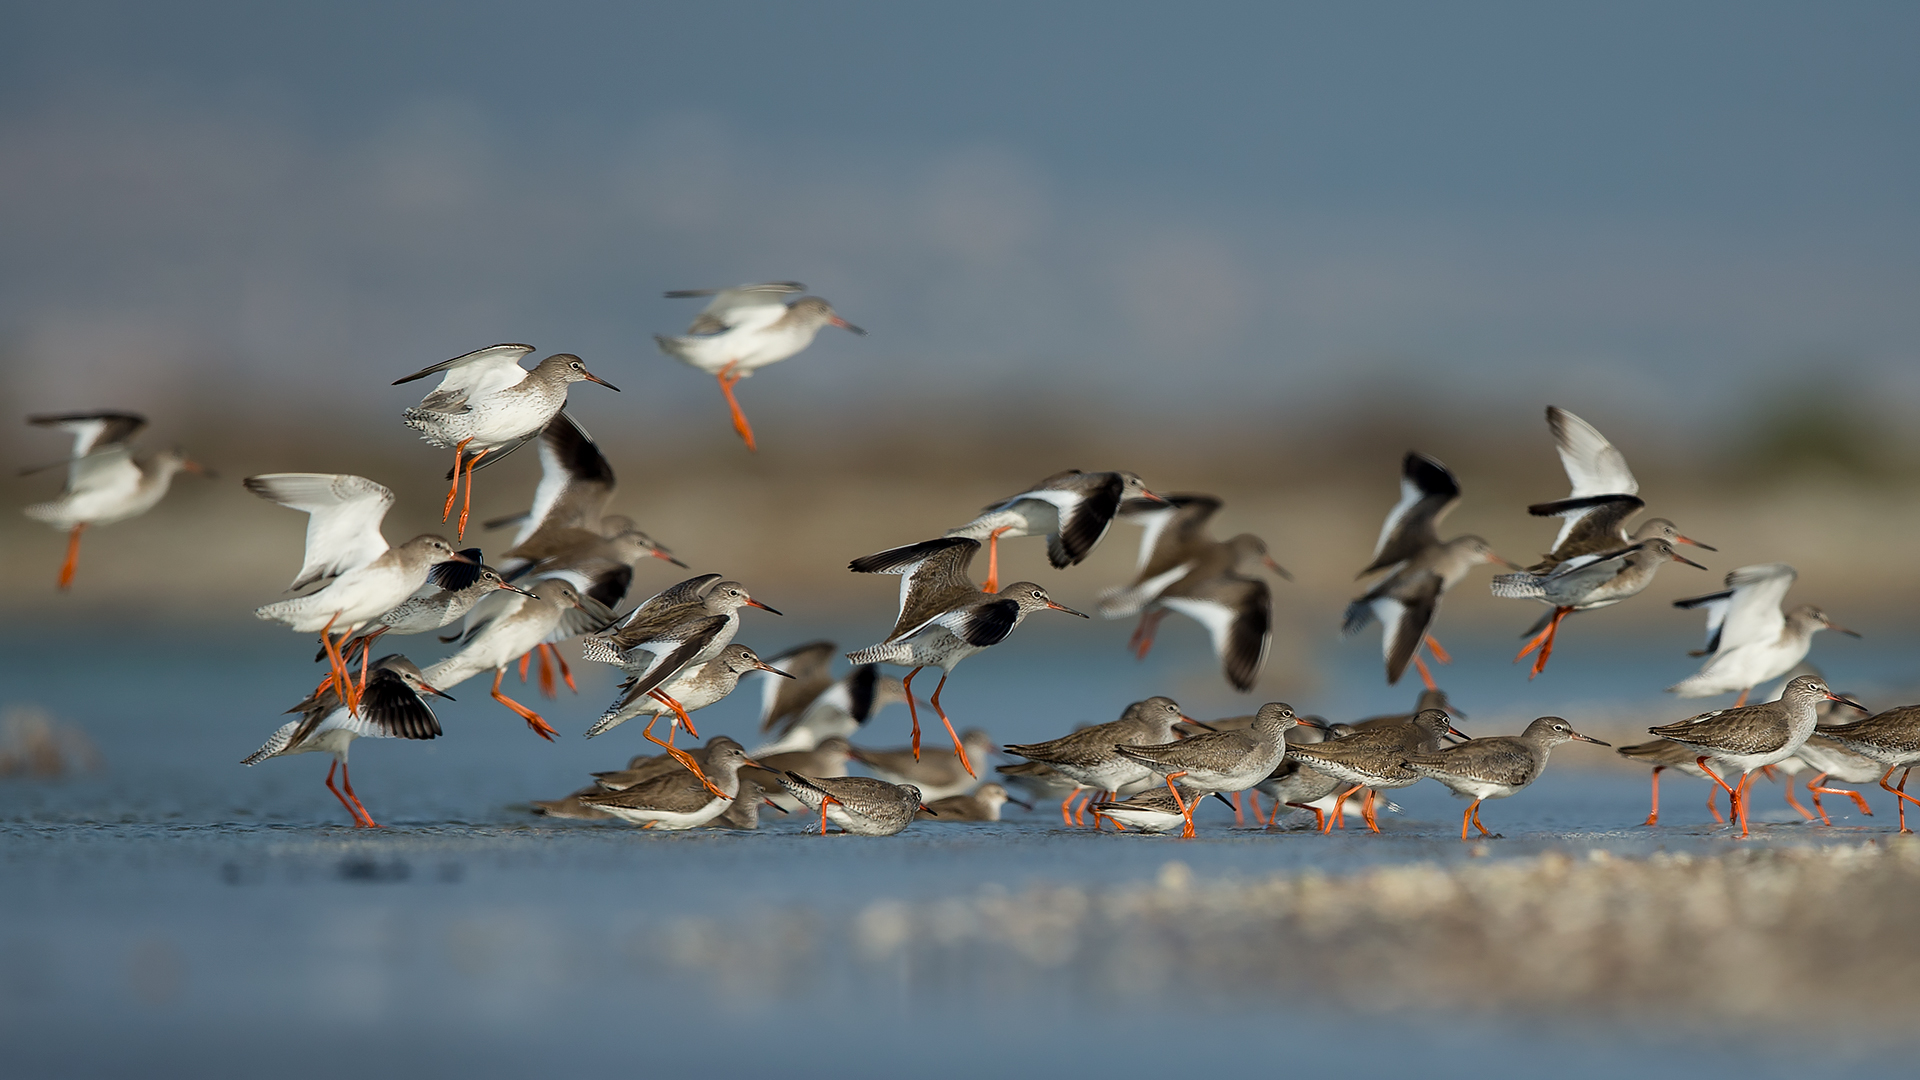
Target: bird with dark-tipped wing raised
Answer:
[[1584, 583], [106, 483], [1604, 495], [1750, 640]]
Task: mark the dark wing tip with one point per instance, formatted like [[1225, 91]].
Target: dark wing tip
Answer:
[[1429, 475]]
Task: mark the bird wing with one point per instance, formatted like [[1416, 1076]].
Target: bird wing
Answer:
[[932, 573], [1593, 522], [343, 518], [1754, 612], [1427, 492], [1593, 466], [811, 666], [1717, 605], [108, 472], [576, 482], [389, 708], [1170, 529], [1238, 615], [742, 305], [669, 662], [477, 374], [1085, 503], [659, 612], [1404, 615], [981, 625], [93, 430]]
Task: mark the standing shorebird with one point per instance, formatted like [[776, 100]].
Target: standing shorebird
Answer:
[[1750, 737], [679, 800], [1374, 760], [745, 328], [943, 618], [105, 482], [1605, 494], [982, 805], [391, 708], [1751, 641], [1220, 761], [1159, 809], [1072, 509], [1090, 758], [694, 688], [553, 613], [1496, 766], [487, 402], [363, 577], [1214, 582], [813, 706], [1294, 784], [937, 777], [1891, 738], [860, 805], [1420, 568], [1831, 759], [1664, 754], [1584, 583]]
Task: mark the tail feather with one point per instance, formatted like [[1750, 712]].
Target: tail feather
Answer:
[[274, 746], [1518, 587], [1359, 614]]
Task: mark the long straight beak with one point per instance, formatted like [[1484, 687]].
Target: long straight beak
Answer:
[[663, 553], [595, 378], [1508, 563], [1308, 721], [196, 467], [1842, 629], [1068, 610], [751, 602], [770, 668], [850, 328], [1276, 567], [1695, 543], [1677, 557], [1456, 732], [1588, 738], [515, 588], [1145, 494], [457, 557], [1021, 803], [1848, 701], [435, 692], [1224, 801], [745, 760]]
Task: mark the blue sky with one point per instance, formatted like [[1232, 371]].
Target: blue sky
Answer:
[[1656, 206]]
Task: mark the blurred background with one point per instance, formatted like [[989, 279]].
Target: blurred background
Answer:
[[1258, 251]]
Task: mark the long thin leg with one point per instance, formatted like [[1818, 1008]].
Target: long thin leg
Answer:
[[459, 454], [1066, 818], [566, 673], [740, 425], [1816, 788], [1466, 820], [1440, 654], [1082, 798], [1795, 803], [1319, 815], [678, 754], [1742, 699], [825, 800], [1186, 811], [1476, 819], [958, 750], [913, 713], [1366, 811], [1142, 640], [1339, 807], [346, 781], [342, 679], [467, 506], [1653, 815], [1740, 792], [1239, 815], [351, 812], [993, 560], [1426, 676], [1713, 805], [1253, 802], [540, 727], [1900, 794], [1544, 642], [73, 555], [547, 689], [526, 658], [1814, 791]]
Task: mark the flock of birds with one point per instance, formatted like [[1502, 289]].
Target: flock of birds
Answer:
[[571, 564]]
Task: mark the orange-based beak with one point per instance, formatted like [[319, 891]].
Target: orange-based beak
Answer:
[[1677, 557], [845, 325], [595, 378], [1847, 701], [1588, 738], [1276, 567], [1508, 563], [435, 692], [764, 666], [751, 602], [1695, 543], [515, 588], [199, 469], [663, 553], [1068, 610]]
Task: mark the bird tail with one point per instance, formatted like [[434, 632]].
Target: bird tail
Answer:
[[1518, 587], [1359, 614], [275, 745], [872, 654]]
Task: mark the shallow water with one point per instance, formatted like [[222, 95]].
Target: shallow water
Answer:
[[221, 916]]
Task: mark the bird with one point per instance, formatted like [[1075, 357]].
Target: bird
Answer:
[[1891, 738], [391, 708], [813, 705], [1746, 738], [361, 578], [675, 801], [745, 328], [106, 483], [1420, 568], [1214, 582], [1374, 759], [554, 612], [1605, 494], [936, 777], [1219, 761], [983, 804], [1090, 758], [1072, 509], [451, 590], [1495, 766], [1585, 583], [1435, 698], [1664, 754], [829, 759], [1293, 783], [487, 402], [1750, 641], [1830, 759], [860, 805], [694, 688], [943, 618], [1158, 809], [1041, 782], [676, 630]]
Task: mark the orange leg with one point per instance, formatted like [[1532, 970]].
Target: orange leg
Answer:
[[1740, 791], [1900, 794], [1319, 815], [678, 754], [1111, 820], [1066, 817], [1742, 699], [993, 560], [1366, 811], [346, 781], [355, 814], [1338, 813], [1795, 803], [1543, 641], [1440, 654], [1653, 815], [1733, 799], [1253, 802], [1713, 805], [467, 506], [1476, 819], [1239, 815], [1816, 788], [958, 750], [1466, 820], [546, 672], [1186, 811], [1141, 643], [540, 727], [914, 714], [825, 800], [342, 679], [1426, 676], [740, 425], [566, 673], [73, 555], [459, 455], [526, 658], [1080, 808], [1814, 791]]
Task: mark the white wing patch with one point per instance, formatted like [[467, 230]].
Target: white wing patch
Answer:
[[1593, 466], [1410, 494]]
